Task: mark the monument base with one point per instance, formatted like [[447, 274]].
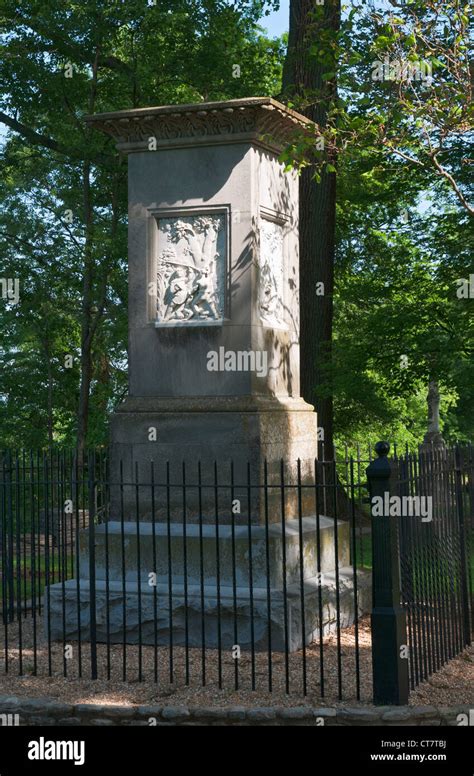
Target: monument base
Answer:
[[195, 600], [236, 443], [206, 616]]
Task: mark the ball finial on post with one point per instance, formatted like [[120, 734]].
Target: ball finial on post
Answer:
[[382, 449]]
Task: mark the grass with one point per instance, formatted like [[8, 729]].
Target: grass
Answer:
[[364, 561], [26, 585]]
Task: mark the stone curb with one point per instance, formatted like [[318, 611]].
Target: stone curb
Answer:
[[46, 711]]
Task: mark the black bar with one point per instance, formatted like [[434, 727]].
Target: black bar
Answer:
[[155, 569], [92, 580], [170, 572], [354, 577], [78, 575], [333, 478], [185, 577], [283, 557], [301, 575], [139, 575], [104, 480], [24, 532], [249, 526], [33, 564], [10, 569], [466, 619], [124, 584], [47, 578], [234, 576], [18, 565], [3, 547], [201, 580], [390, 670], [268, 576], [318, 567]]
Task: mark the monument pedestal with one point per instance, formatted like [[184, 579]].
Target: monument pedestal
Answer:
[[193, 598], [220, 440]]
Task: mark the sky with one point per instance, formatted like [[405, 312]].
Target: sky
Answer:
[[278, 21]]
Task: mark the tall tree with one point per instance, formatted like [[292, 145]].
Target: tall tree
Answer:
[[309, 81], [63, 230]]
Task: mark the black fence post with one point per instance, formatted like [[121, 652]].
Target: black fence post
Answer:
[[3, 540], [10, 562], [92, 575], [466, 615], [389, 632]]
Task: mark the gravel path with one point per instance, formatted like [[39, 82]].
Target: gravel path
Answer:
[[452, 685]]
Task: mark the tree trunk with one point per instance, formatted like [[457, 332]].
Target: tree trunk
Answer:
[[86, 339], [50, 402], [302, 75], [87, 285]]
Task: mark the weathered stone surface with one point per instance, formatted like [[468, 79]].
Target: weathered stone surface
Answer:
[[237, 713], [122, 712], [117, 548], [90, 708], [424, 711], [109, 603], [357, 715], [41, 720], [287, 430], [397, 715], [105, 715], [175, 713], [261, 715], [298, 712], [32, 706], [324, 711], [209, 713], [450, 716], [10, 704], [149, 711]]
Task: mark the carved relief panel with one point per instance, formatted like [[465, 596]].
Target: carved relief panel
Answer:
[[191, 269], [271, 274]]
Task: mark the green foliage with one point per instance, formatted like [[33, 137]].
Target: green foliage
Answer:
[[63, 228], [404, 231]]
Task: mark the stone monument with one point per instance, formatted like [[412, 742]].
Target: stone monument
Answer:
[[213, 298], [213, 371]]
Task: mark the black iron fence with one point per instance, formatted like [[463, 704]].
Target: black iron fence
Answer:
[[435, 552], [238, 578]]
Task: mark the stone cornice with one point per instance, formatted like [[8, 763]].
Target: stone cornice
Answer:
[[181, 404], [259, 120]]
